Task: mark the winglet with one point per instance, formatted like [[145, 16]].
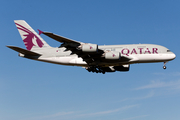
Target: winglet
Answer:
[[40, 32]]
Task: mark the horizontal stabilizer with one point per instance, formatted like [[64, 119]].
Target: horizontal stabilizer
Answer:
[[23, 51]]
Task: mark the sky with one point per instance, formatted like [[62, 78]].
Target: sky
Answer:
[[33, 90]]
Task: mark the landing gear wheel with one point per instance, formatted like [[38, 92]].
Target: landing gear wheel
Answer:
[[164, 67]]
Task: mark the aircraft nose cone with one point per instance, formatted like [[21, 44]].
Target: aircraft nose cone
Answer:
[[173, 56]]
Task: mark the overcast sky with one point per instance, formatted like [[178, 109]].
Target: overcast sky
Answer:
[[32, 90]]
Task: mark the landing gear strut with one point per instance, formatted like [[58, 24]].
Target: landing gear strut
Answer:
[[164, 66]]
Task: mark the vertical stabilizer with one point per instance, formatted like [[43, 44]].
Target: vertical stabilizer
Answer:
[[30, 38]]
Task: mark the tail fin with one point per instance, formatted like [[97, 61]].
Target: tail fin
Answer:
[[30, 38]]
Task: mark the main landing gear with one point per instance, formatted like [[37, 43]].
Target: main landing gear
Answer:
[[164, 66], [95, 69]]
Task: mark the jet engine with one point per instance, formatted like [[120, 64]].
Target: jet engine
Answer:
[[122, 68], [89, 47], [112, 55]]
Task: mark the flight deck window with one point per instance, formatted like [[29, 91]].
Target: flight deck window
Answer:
[[168, 51]]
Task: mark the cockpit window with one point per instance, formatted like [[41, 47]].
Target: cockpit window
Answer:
[[168, 51]]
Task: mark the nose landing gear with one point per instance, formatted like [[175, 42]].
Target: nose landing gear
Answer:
[[164, 66]]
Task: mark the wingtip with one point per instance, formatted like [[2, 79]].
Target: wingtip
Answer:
[[40, 32], [8, 46]]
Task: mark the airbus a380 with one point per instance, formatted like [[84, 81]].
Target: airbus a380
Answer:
[[92, 57]]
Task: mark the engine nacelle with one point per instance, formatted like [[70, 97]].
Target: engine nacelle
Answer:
[[113, 55], [122, 68], [90, 48]]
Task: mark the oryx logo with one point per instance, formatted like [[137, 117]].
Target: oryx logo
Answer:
[[29, 38], [91, 47]]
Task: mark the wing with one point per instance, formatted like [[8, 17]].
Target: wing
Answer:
[[90, 53], [60, 38], [76, 47]]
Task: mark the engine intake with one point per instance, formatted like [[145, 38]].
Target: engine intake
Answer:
[[113, 55], [90, 48]]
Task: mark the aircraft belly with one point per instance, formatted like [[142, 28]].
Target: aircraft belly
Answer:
[[139, 58], [153, 58], [78, 61], [74, 61]]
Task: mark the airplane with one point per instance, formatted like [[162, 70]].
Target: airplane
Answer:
[[92, 57]]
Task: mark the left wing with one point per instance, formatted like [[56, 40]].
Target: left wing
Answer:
[[60, 38], [90, 53]]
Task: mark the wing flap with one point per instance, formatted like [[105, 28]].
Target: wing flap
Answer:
[[23, 51]]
